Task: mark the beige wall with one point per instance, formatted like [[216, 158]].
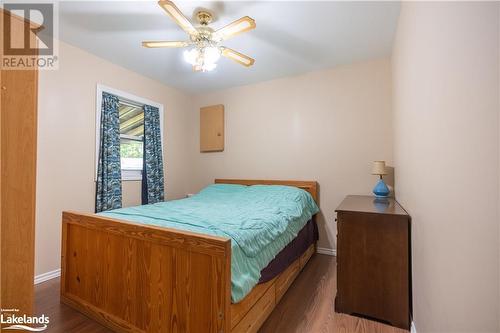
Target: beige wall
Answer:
[[446, 149], [326, 126], [66, 142]]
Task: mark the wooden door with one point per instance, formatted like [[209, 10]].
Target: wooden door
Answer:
[[18, 125], [212, 128]]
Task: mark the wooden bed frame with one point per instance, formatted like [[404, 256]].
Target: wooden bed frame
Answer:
[[139, 278]]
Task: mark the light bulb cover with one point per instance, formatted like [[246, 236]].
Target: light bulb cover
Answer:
[[191, 56], [211, 55], [207, 67], [203, 59]]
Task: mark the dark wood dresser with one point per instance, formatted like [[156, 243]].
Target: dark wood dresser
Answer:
[[373, 260]]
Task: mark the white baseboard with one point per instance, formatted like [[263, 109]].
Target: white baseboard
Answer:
[[327, 251], [47, 276], [413, 329]]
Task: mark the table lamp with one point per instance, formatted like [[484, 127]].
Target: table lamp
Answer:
[[380, 190]]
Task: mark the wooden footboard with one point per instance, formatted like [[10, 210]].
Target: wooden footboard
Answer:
[[137, 278]]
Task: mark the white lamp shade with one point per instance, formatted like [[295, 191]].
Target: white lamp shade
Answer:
[[379, 168]]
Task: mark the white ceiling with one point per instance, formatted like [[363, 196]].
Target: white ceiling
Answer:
[[291, 37]]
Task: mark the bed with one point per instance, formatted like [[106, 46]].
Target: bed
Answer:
[[135, 277]]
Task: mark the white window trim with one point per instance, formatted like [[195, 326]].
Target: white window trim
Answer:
[[126, 174]]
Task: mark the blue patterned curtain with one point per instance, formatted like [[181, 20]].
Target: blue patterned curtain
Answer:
[[152, 175], [109, 178]]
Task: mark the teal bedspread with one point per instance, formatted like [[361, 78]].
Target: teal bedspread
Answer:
[[260, 220]]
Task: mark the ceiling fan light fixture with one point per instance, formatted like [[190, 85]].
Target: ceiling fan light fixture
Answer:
[[211, 54], [207, 67], [191, 56], [205, 45], [203, 59]]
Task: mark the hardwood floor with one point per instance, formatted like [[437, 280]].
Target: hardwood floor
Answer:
[[307, 307]]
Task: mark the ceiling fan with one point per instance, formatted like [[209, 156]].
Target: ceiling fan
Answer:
[[205, 49]]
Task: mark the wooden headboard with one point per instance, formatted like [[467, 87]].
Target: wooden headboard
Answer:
[[309, 186]]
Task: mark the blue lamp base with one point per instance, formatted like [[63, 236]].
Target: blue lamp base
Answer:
[[381, 190]]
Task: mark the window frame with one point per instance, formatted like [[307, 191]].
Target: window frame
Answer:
[[131, 174], [127, 175]]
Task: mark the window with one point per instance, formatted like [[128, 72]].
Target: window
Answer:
[[131, 130], [131, 139]]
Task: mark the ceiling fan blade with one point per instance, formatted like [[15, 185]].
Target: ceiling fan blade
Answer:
[[238, 57], [177, 16], [164, 43], [244, 24]]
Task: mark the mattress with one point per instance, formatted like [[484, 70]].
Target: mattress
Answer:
[[297, 247], [260, 220]]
